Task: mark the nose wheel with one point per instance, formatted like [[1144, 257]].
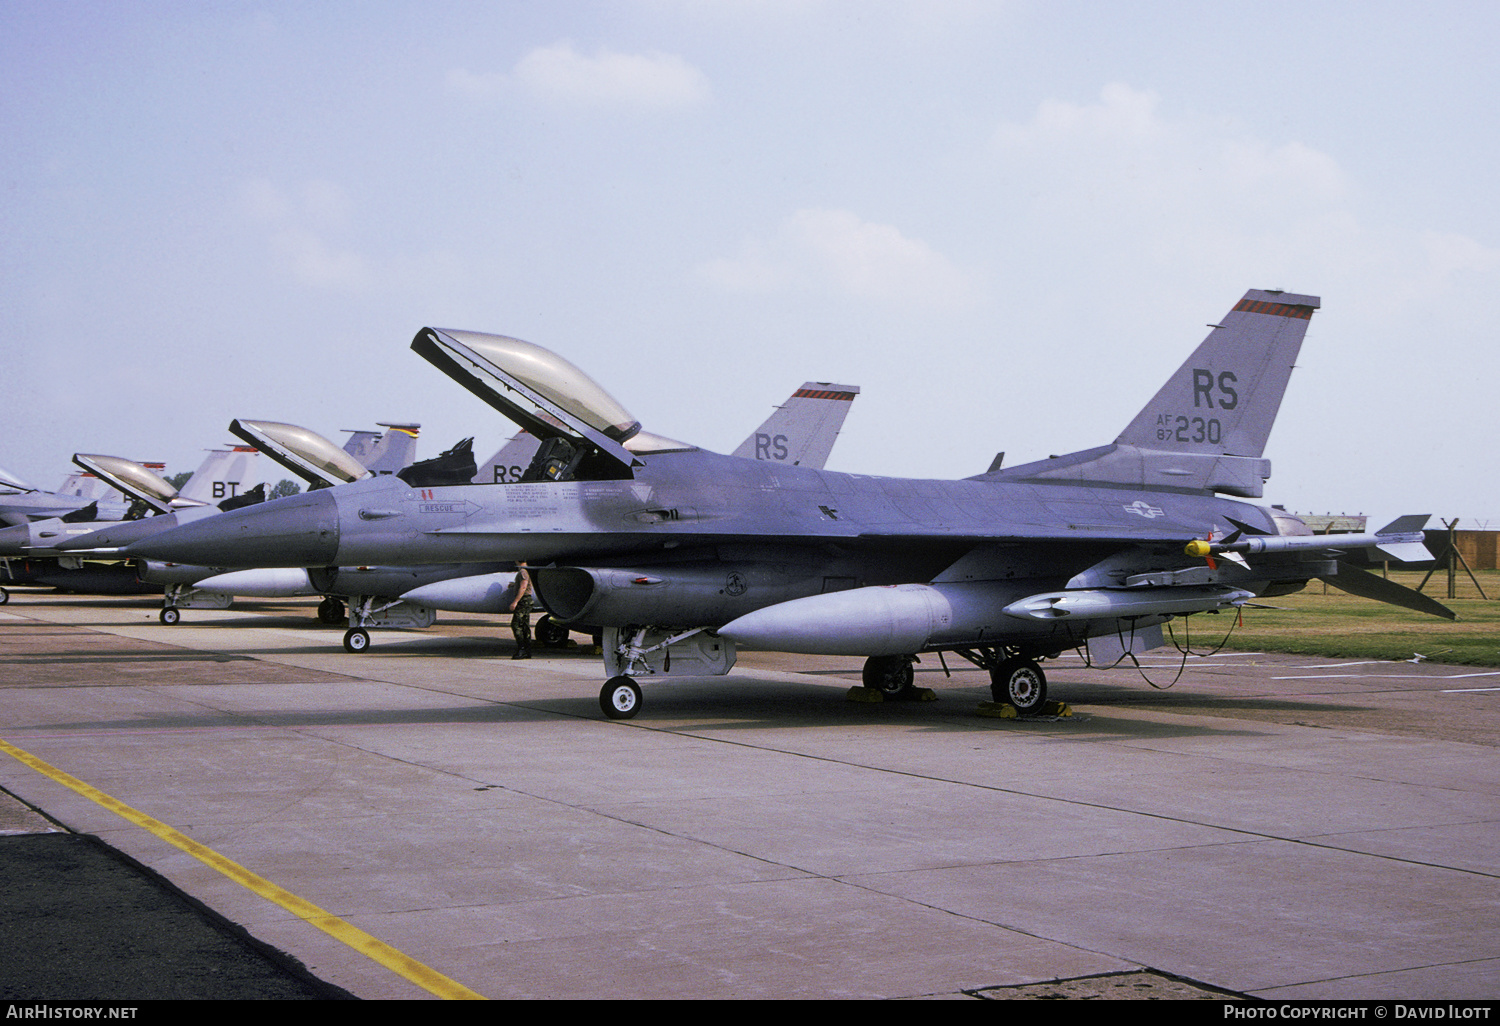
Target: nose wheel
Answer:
[[620, 698]]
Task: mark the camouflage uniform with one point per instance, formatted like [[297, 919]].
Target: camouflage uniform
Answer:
[[520, 616]]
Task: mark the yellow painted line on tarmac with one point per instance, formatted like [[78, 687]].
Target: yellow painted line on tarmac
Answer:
[[427, 978]]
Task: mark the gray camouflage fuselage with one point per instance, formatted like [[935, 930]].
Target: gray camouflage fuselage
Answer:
[[738, 535]]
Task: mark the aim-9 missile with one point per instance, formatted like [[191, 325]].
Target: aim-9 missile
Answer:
[[1400, 540]]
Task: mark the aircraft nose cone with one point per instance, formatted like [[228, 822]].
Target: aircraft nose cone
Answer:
[[119, 533], [300, 530]]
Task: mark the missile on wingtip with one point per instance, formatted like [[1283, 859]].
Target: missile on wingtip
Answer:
[[39, 536], [298, 530], [1400, 540], [1115, 603]]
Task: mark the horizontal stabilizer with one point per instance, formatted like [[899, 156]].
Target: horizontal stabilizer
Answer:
[[1367, 585]]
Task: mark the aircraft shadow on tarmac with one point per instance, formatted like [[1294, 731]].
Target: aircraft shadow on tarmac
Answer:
[[687, 705]]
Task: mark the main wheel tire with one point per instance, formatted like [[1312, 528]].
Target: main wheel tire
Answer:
[[1020, 682], [356, 640], [620, 698], [169, 616], [890, 675], [549, 633], [4, 596]]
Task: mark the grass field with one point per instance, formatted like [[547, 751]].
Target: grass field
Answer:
[[1321, 620]]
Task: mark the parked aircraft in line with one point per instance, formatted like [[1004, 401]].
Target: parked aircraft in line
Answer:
[[221, 482], [215, 485], [799, 432], [682, 554], [22, 504]]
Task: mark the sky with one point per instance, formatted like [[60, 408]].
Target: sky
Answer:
[[1008, 222]]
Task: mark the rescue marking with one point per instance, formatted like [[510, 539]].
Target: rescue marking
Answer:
[[427, 978]]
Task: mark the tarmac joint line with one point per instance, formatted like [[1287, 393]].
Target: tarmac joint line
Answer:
[[424, 976]]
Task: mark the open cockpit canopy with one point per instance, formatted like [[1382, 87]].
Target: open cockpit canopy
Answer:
[[546, 395], [132, 479], [305, 453], [10, 482]]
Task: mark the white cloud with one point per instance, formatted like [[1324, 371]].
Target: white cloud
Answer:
[[1121, 151], [296, 226], [559, 73], [1205, 195], [835, 249]]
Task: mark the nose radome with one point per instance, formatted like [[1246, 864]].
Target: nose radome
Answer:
[[299, 530]]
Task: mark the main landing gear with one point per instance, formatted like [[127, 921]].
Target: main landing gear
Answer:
[[1015, 677], [1020, 682], [550, 633], [356, 640], [892, 676]]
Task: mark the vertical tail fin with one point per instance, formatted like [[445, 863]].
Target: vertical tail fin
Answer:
[[1207, 427], [1224, 399], [801, 431], [224, 474], [385, 452]]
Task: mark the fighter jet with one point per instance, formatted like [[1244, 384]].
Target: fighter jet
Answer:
[[55, 548], [683, 555], [154, 506], [799, 432], [21, 504]]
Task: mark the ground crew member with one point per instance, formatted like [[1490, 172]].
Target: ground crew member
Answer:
[[520, 614]]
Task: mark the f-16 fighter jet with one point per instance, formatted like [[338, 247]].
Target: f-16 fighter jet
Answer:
[[683, 555]]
